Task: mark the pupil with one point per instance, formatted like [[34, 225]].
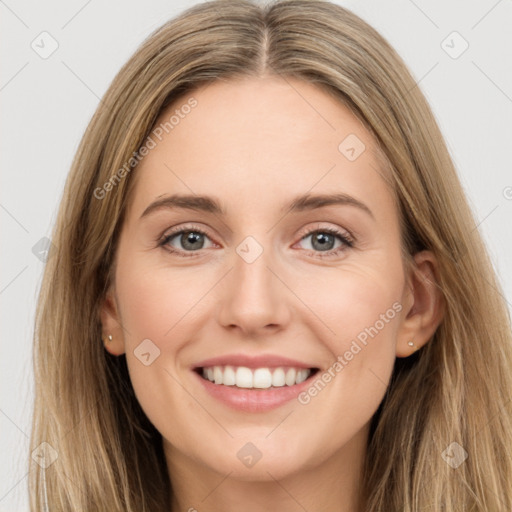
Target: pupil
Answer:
[[190, 239], [322, 239]]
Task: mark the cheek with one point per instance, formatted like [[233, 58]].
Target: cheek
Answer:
[[159, 306], [361, 308], [158, 303], [354, 301]]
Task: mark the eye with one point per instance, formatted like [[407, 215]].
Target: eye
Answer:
[[190, 238], [323, 242], [185, 241]]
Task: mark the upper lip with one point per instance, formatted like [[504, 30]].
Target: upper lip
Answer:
[[259, 361]]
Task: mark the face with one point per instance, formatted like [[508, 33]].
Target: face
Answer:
[[263, 284]]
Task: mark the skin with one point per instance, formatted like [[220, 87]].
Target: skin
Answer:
[[255, 144]]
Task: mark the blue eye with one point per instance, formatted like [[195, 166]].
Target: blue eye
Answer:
[[190, 238], [192, 241], [324, 238]]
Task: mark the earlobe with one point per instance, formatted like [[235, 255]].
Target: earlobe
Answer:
[[112, 332], [427, 309]]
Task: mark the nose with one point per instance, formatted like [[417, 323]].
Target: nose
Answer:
[[254, 299]]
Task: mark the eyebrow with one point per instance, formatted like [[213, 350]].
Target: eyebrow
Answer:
[[211, 205]]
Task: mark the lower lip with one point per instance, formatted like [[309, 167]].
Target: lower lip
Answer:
[[253, 400]]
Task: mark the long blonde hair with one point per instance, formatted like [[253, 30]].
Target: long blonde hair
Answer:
[[456, 389]]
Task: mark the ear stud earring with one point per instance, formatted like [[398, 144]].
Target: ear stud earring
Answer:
[[410, 343], [109, 338]]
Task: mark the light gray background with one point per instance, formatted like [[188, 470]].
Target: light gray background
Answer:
[[47, 103]]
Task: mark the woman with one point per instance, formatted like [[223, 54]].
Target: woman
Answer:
[[197, 348]]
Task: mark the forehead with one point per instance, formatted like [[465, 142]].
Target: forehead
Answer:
[[253, 138]]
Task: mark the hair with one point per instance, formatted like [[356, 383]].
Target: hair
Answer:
[[456, 388]]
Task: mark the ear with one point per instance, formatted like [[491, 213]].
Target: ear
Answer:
[[425, 305], [111, 324]]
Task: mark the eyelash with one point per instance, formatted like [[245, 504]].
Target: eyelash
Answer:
[[348, 241]]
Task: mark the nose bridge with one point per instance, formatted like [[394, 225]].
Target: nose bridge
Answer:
[[253, 297]]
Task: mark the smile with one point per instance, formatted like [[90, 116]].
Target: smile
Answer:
[[258, 378], [254, 384]]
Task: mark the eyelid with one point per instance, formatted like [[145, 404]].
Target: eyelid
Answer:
[[338, 231], [182, 228]]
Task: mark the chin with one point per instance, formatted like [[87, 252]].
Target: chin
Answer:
[[261, 459]]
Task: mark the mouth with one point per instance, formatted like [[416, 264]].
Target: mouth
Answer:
[[263, 378], [253, 383]]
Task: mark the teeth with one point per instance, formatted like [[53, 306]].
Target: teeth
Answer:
[[278, 378], [243, 377], [302, 375], [260, 378], [217, 375], [290, 377], [229, 378]]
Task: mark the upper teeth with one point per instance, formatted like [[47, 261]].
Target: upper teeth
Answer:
[[244, 377]]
